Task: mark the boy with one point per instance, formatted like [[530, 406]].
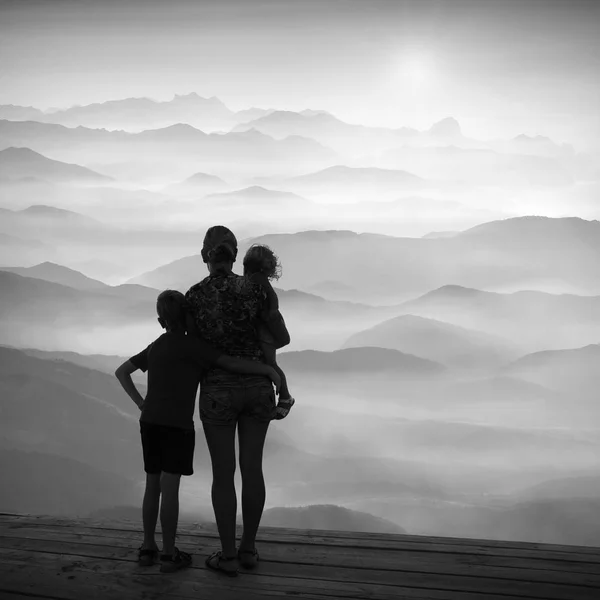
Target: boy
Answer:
[[175, 363]]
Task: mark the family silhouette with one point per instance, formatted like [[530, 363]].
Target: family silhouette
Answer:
[[222, 335]]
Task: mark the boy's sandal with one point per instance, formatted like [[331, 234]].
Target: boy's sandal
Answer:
[[169, 563], [283, 407], [248, 558], [214, 561], [147, 556]]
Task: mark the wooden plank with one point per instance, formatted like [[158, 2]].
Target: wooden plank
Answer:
[[286, 533], [478, 580], [354, 560], [74, 577], [331, 542], [94, 586], [6, 595]]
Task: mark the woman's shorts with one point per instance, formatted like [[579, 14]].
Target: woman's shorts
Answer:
[[225, 397], [168, 449]]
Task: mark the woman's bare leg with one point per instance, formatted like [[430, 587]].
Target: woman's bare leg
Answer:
[[252, 434], [221, 444]]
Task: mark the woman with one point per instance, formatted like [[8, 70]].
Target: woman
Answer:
[[223, 309]]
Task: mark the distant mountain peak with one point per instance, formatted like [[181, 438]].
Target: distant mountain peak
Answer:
[[531, 138], [19, 151], [43, 210], [252, 132], [40, 209], [448, 127], [195, 97], [454, 291], [203, 177]]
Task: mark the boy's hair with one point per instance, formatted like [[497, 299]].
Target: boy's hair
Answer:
[[171, 306], [261, 259]]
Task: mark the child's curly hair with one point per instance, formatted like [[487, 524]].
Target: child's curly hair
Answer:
[[261, 259]]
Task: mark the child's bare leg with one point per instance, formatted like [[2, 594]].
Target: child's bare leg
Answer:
[[169, 510], [270, 354], [150, 510], [284, 392]]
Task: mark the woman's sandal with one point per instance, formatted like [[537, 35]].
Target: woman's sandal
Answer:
[[147, 556], [248, 558], [283, 408], [217, 558]]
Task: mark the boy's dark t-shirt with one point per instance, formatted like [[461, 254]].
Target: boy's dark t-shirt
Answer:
[[175, 363]]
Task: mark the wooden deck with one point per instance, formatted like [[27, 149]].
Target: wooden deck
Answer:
[[47, 557]]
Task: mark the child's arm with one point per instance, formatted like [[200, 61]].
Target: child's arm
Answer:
[[123, 374], [272, 299], [248, 367], [278, 329]]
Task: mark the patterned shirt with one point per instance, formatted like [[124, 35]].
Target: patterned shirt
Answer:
[[225, 308]]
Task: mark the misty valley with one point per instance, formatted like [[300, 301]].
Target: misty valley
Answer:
[[442, 293]]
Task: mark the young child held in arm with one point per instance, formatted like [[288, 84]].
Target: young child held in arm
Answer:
[[261, 265], [175, 363]]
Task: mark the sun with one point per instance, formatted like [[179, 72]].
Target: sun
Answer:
[[417, 70]]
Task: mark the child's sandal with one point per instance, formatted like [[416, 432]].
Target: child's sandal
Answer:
[[214, 561], [283, 408]]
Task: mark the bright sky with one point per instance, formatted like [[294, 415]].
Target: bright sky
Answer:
[[501, 67]]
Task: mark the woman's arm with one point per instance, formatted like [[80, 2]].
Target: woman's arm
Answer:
[[249, 367], [190, 324]]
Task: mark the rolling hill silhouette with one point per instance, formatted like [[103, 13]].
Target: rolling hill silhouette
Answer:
[[560, 258], [198, 183], [180, 144], [572, 371], [36, 482], [34, 313], [19, 163], [144, 113], [358, 360], [532, 319], [49, 271], [435, 340], [257, 197]]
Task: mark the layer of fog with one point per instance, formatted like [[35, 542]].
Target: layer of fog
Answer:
[[454, 435]]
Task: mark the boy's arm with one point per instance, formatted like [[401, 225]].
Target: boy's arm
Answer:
[[123, 374], [248, 367]]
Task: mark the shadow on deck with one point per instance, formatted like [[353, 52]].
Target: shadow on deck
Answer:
[[83, 559]]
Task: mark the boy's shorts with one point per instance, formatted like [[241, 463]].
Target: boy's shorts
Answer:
[[168, 449]]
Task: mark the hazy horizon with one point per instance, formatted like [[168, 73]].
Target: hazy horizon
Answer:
[[500, 68]]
